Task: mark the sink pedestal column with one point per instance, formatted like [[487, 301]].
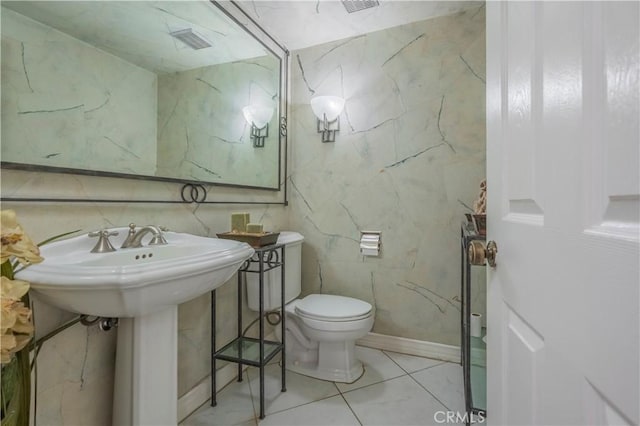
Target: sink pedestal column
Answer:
[[146, 377]]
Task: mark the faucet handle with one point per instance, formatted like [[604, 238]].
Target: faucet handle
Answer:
[[103, 233], [103, 245], [158, 239]]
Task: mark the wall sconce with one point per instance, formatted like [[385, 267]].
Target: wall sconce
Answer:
[[259, 117], [328, 109]]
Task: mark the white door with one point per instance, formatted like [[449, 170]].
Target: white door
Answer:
[[563, 184]]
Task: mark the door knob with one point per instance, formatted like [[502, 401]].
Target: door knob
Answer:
[[478, 253]]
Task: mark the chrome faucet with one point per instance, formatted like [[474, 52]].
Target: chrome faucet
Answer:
[[134, 239]]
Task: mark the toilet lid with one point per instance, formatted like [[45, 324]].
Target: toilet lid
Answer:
[[328, 307]]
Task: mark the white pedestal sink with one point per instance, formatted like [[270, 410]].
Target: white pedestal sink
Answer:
[[143, 287], [146, 382]]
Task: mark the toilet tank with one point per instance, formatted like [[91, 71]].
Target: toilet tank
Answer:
[[292, 277]]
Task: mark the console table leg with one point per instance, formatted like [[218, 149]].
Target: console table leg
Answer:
[[213, 349], [262, 391]]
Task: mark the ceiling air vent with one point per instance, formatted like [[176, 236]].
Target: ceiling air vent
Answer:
[[356, 5], [191, 39]]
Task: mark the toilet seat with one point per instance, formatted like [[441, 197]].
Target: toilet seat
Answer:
[[331, 308]]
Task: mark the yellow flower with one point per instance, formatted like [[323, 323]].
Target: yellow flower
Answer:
[[10, 344], [16, 328], [15, 243], [13, 289]]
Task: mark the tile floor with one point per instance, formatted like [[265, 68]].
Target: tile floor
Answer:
[[395, 390]]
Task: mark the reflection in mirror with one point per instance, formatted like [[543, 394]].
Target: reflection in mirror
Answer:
[[145, 88]]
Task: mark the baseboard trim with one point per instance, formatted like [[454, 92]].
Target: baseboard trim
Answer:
[[201, 393], [411, 347]]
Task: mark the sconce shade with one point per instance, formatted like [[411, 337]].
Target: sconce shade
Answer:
[[257, 115], [327, 109], [327, 106]]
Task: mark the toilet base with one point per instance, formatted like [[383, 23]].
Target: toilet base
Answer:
[[333, 361]]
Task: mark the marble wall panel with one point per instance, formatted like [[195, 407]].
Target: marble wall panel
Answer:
[[203, 134], [75, 371], [68, 104], [407, 161]]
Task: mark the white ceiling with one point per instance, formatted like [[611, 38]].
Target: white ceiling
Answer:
[[302, 23], [138, 31]]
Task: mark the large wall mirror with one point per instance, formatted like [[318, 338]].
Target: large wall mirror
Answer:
[[167, 90]]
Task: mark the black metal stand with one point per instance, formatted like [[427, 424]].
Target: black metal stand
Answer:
[[246, 350], [467, 234]]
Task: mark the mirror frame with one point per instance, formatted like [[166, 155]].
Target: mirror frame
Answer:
[[232, 10]]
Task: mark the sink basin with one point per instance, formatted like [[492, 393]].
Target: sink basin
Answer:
[[143, 287], [134, 281]]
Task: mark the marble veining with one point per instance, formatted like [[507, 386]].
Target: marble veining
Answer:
[[304, 77], [373, 291], [404, 160], [208, 84], [293, 185], [422, 291], [465, 205], [472, 70], [84, 361], [357, 227], [203, 133], [402, 49], [209, 171], [442, 135], [320, 276], [122, 147], [24, 67], [407, 161], [106, 101], [69, 104], [338, 46], [44, 111], [310, 220]]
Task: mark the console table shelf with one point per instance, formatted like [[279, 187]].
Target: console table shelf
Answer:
[[247, 351], [242, 350], [473, 348]]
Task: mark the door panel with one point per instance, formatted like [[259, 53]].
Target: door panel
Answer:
[[524, 353], [611, 168], [563, 161], [523, 115]]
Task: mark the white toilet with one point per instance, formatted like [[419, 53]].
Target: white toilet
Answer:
[[321, 329]]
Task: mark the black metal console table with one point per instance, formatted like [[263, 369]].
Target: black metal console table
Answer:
[[246, 350], [473, 406]]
